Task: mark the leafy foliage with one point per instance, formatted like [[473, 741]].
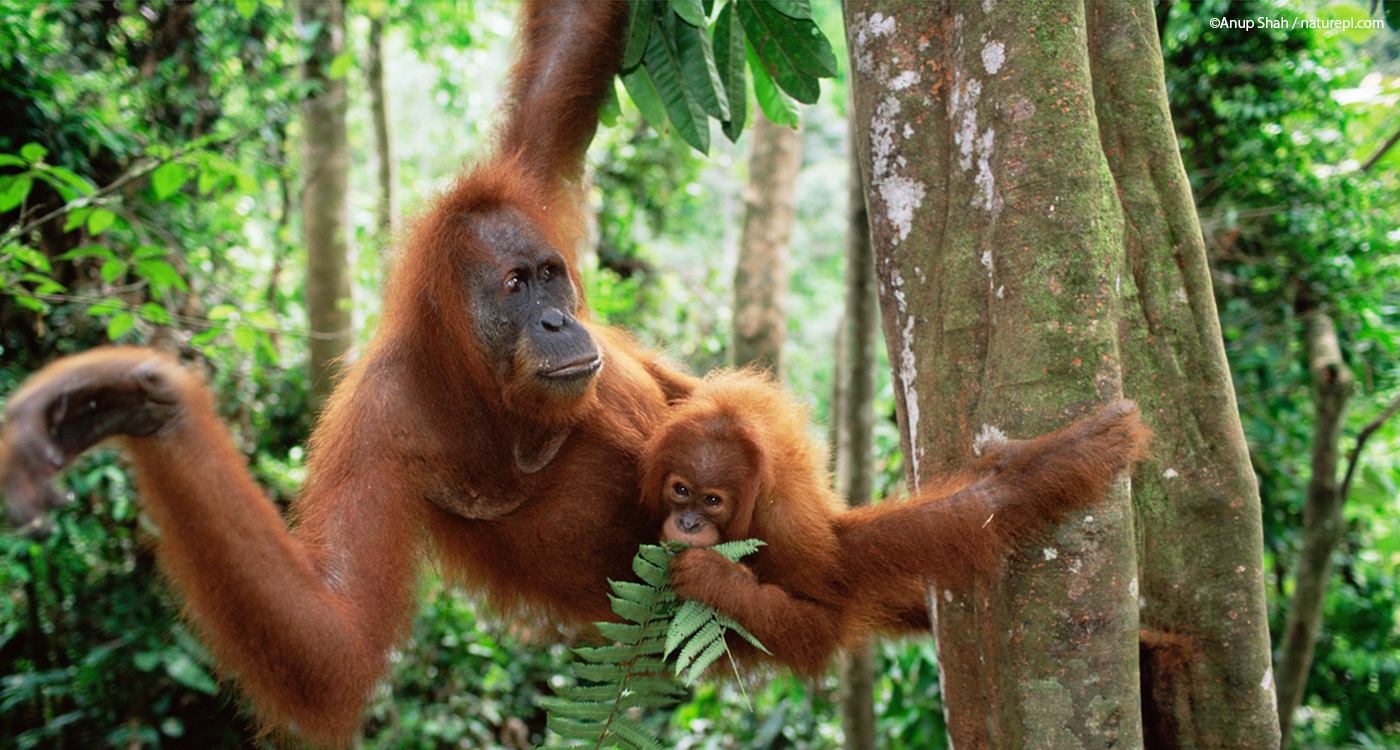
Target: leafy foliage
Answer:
[[677, 70], [636, 672]]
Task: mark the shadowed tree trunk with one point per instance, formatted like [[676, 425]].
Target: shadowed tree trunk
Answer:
[[853, 417], [1324, 526], [325, 198], [386, 212], [1038, 253], [761, 275]]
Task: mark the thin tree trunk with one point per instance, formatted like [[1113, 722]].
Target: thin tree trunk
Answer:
[[761, 275], [854, 421], [325, 198], [386, 212], [1324, 526]]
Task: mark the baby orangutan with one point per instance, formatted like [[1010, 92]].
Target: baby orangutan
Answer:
[[734, 461]]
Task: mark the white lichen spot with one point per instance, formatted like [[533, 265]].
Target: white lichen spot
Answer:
[[988, 434], [1133, 587], [904, 80], [902, 197], [1001, 292], [1180, 296], [1268, 682], [948, 595], [993, 55], [882, 25], [1050, 553], [1170, 474]]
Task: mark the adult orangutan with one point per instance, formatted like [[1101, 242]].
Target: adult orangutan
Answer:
[[735, 461], [487, 425]]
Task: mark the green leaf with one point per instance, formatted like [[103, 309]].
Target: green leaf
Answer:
[[113, 270], [799, 9], [99, 220], [246, 8], [77, 217], [1392, 13], [780, 108], [105, 307], [15, 191], [698, 65], [153, 313], [185, 671], [690, 11], [640, 23], [120, 324], [790, 44], [731, 61], [162, 275], [341, 65], [33, 152], [168, 178], [664, 66], [644, 94]]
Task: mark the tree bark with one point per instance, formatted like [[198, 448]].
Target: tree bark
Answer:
[[761, 274], [1324, 525], [386, 212], [1038, 252], [854, 421], [325, 198], [1206, 668]]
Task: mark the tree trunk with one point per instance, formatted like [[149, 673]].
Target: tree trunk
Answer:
[[1207, 677], [386, 212], [853, 417], [761, 275], [1324, 526], [1038, 253], [325, 198]]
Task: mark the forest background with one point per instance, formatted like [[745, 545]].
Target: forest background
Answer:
[[171, 133]]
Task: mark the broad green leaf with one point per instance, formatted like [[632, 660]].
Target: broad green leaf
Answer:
[[162, 275], [113, 270], [30, 257], [697, 58], [99, 220], [15, 191], [690, 11], [778, 106], [120, 324], [168, 178], [640, 23], [731, 61], [794, 53], [33, 152], [663, 65], [799, 9], [644, 94], [153, 313], [246, 8], [77, 217]]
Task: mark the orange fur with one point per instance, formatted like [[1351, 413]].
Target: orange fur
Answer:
[[829, 576], [418, 453]]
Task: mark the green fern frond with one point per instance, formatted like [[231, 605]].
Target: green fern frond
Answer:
[[637, 670]]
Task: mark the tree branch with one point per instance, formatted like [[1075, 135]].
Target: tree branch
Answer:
[[1354, 457]]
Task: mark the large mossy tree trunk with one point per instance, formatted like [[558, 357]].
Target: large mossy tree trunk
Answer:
[[1038, 253]]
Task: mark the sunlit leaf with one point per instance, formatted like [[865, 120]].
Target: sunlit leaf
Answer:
[[120, 324], [168, 178], [99, 220]]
